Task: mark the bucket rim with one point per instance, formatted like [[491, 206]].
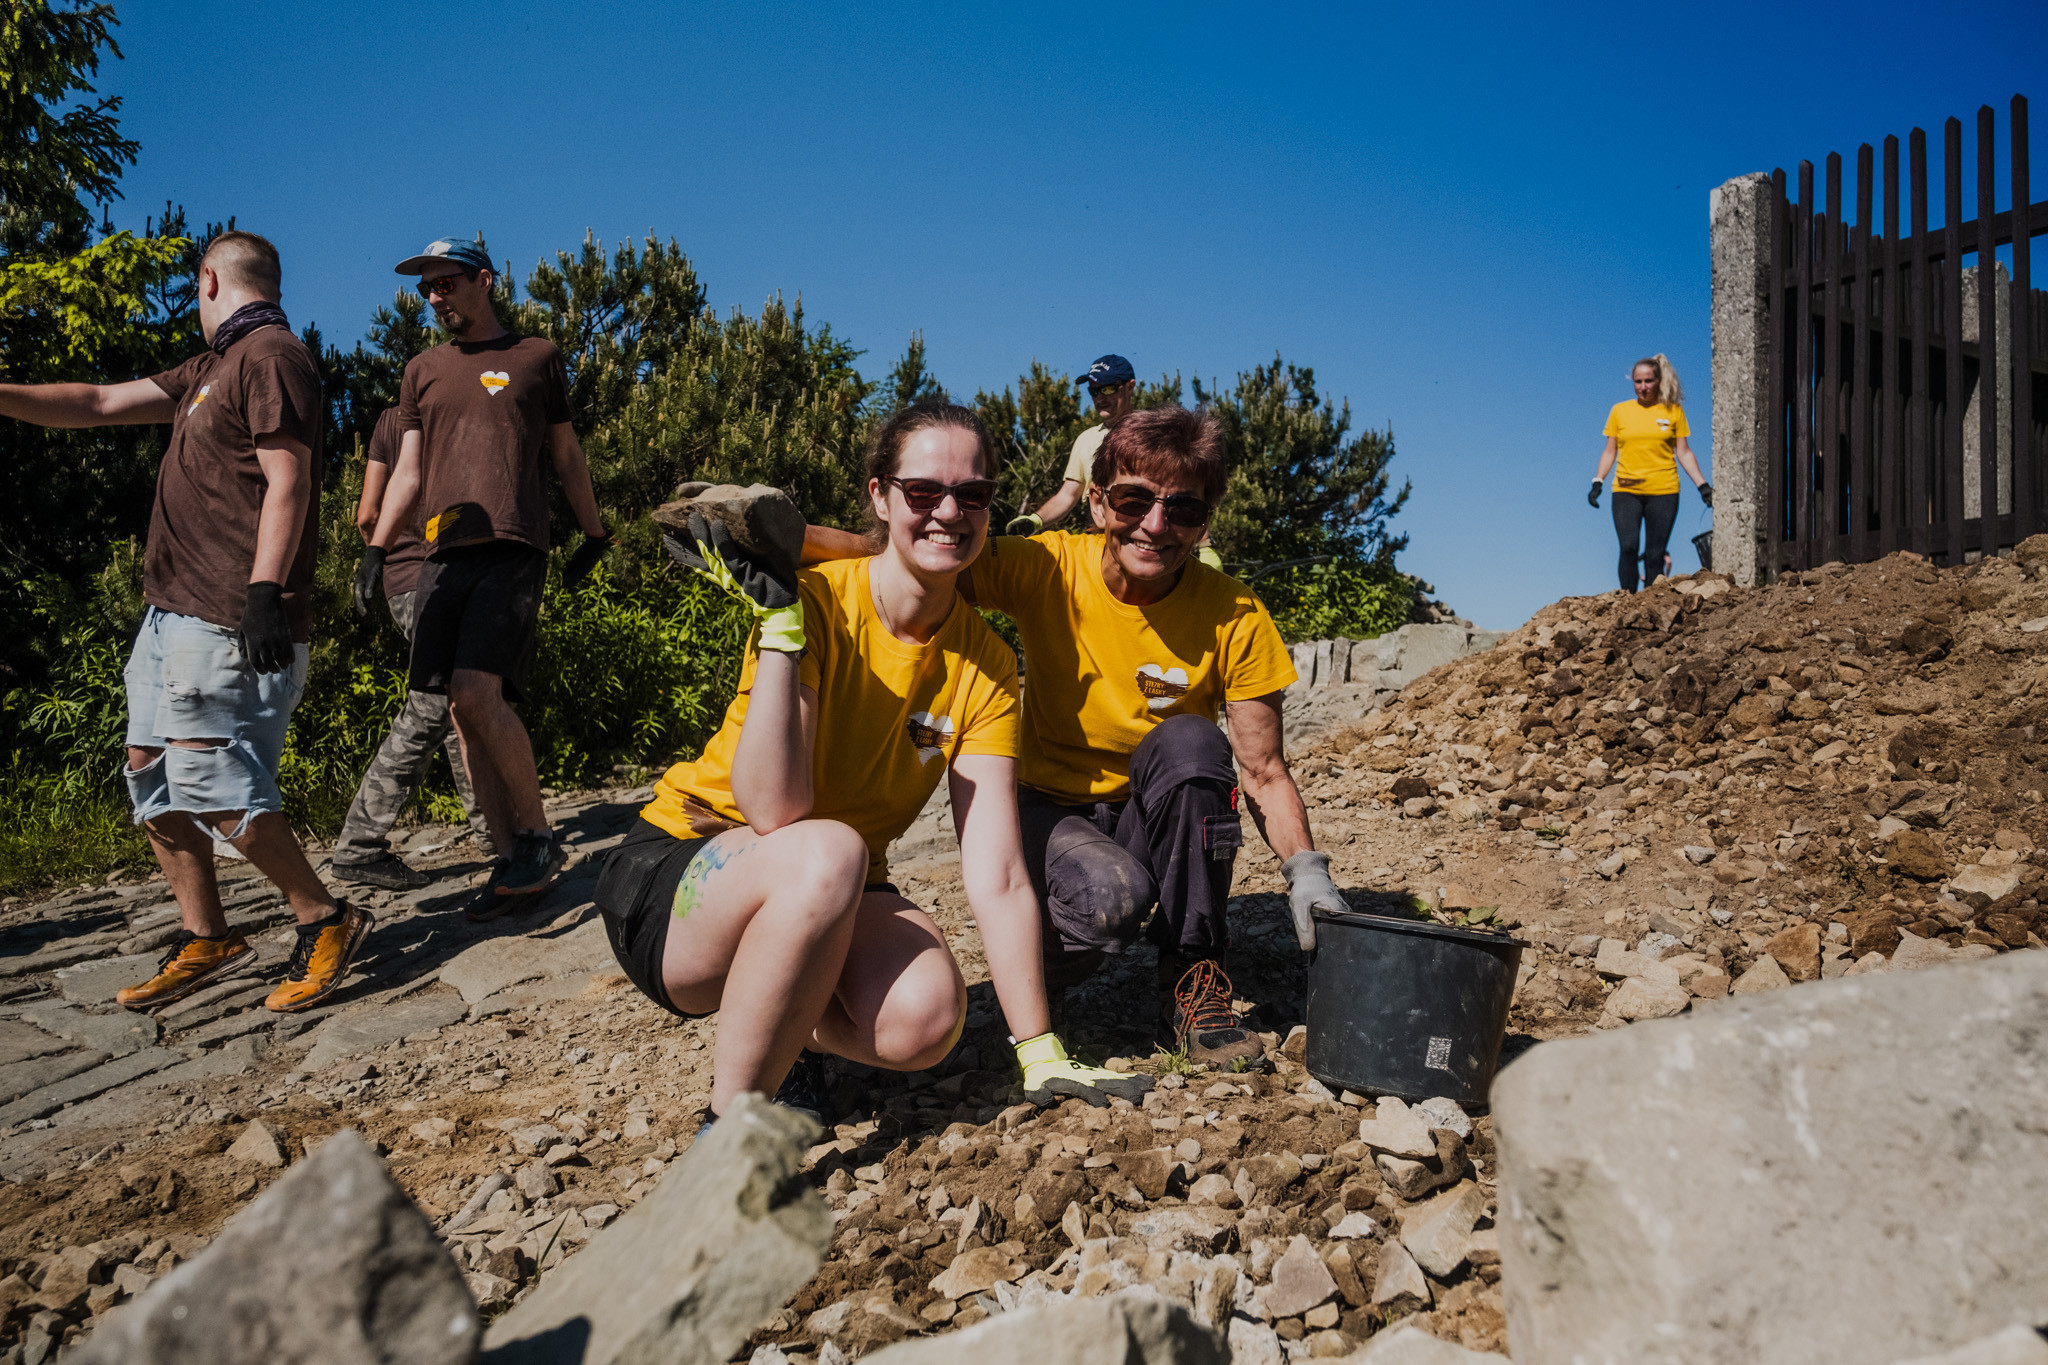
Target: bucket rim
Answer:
[[1495, 938]]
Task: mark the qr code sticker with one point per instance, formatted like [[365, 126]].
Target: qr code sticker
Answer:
[[1439, 1057]]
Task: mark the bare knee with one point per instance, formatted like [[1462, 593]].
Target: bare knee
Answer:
[[472, 695], [829, 858], [923, 1018]]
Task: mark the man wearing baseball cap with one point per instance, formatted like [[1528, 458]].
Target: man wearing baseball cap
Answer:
[[475, 415], [1113, 384]]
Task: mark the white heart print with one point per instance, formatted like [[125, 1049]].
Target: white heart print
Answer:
[[1162, 687], [494, 381]]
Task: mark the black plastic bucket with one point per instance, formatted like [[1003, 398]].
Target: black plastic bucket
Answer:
[[1703, 545], [1407, 1007]]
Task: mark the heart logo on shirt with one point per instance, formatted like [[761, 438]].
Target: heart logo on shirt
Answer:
[[1161, 687], [493, 380], [204, 389], [929, 733]]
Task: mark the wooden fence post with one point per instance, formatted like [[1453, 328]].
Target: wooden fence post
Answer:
[[1739, 244]]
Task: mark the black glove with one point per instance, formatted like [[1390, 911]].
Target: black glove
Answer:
[[1593, 494], [769, 592], [266, 635], [367, 574], [1707, 494], [585, 559]]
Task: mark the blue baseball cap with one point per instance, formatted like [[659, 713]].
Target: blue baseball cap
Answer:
[[470, 255], [1108, 371]]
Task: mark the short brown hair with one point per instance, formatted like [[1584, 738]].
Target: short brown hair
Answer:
[[1165, 445], [247, 262]]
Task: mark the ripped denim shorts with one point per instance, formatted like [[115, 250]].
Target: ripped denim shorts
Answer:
[[187, 680]]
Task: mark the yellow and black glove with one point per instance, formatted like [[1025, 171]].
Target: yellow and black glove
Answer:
[[769, 591], [1026, 524], [1051, 1076]]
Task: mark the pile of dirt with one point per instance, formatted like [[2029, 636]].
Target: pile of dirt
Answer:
[[1692, 792]]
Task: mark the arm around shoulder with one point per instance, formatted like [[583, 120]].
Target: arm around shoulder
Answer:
[[133, 403]]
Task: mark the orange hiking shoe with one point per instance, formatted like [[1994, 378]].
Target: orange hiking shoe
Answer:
[[191, 963], [1203, 1024], [321, 959]]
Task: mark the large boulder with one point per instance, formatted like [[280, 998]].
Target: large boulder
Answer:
[[334, 1265], [1855, 1170], [730, 1233], [1136, 1327]]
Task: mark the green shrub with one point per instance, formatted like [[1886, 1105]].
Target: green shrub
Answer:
[[1352, 599]]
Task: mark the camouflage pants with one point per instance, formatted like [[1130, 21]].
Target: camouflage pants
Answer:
[[421, 726]]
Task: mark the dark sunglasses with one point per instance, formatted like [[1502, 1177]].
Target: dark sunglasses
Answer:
[[1132, 503], [442, 284], [925, 495]]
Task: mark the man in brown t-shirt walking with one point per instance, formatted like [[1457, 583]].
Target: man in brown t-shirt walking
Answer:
[[476, 414], [220, 660], [362, 851]]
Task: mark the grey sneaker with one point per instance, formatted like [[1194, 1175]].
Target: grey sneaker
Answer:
[[535, 861], [387, 870]]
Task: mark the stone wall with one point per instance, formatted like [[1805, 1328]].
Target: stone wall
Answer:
[[1343, 681]]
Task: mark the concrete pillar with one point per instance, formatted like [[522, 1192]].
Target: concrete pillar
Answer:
[[1973, 434], [1739, 248]]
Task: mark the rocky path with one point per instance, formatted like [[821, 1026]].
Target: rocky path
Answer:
[[1695, 792]]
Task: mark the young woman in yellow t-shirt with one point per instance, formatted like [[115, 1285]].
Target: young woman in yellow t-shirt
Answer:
[[755, 885], [1646, 442]]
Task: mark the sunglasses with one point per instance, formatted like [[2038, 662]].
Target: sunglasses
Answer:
[[925, 495], [1132, 503], [442, 284]]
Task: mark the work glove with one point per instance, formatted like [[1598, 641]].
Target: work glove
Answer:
[[367, 574], [1707, 494], [1593, 494], [266, 635], [768, 592], [1051, 1076], [1029, 524], [1207, 554], [585, 559], [1310, 889]]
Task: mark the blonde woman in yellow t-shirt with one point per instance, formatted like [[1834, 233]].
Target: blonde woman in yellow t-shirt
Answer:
[[756, 883], [1646, 444]]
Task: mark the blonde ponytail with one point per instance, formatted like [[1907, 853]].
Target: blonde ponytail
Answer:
[[1670, 392]]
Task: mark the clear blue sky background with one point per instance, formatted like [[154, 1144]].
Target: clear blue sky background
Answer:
[[1467, 218]]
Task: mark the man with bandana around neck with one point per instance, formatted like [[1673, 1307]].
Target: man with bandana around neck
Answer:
[[220, 659]]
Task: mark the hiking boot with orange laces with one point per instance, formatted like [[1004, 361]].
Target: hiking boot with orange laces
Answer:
[[192, 962], [320, 959], [1202, 1022]]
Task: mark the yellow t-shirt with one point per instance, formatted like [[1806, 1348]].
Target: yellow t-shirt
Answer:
[[891, 717], [1104, 673], [1081, 464], [1646, 446]]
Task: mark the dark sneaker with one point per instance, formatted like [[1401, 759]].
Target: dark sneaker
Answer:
[[1202, 1023], [804, 1088], [321, 958], [387, 871], [535, 861], [485, 904], [192, 962]]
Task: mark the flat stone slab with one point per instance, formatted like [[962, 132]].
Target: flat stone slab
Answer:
[[495, 964], [1853, 1170], [232, 1058], [372, 1026], [95, 983], [63, 955], [20, 1078], [19, 1042], [86, 1084], [116, 1034]]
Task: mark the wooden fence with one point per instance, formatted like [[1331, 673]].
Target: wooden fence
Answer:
[[1907, 395]]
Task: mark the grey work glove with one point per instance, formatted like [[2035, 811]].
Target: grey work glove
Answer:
[[1310, 889]]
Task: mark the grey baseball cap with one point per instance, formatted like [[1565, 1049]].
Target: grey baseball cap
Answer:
[[470, 255]]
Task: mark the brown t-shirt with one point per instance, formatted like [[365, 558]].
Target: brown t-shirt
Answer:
[[407, 550], [209, 489], [483, 411]]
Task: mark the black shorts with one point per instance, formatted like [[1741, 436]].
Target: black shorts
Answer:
[[637, 893], [478, 607]]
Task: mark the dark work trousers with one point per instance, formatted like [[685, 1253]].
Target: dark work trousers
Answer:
[[1099, 868], [1635, 514]]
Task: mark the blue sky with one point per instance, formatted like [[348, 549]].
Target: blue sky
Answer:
[[1468, 219]]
